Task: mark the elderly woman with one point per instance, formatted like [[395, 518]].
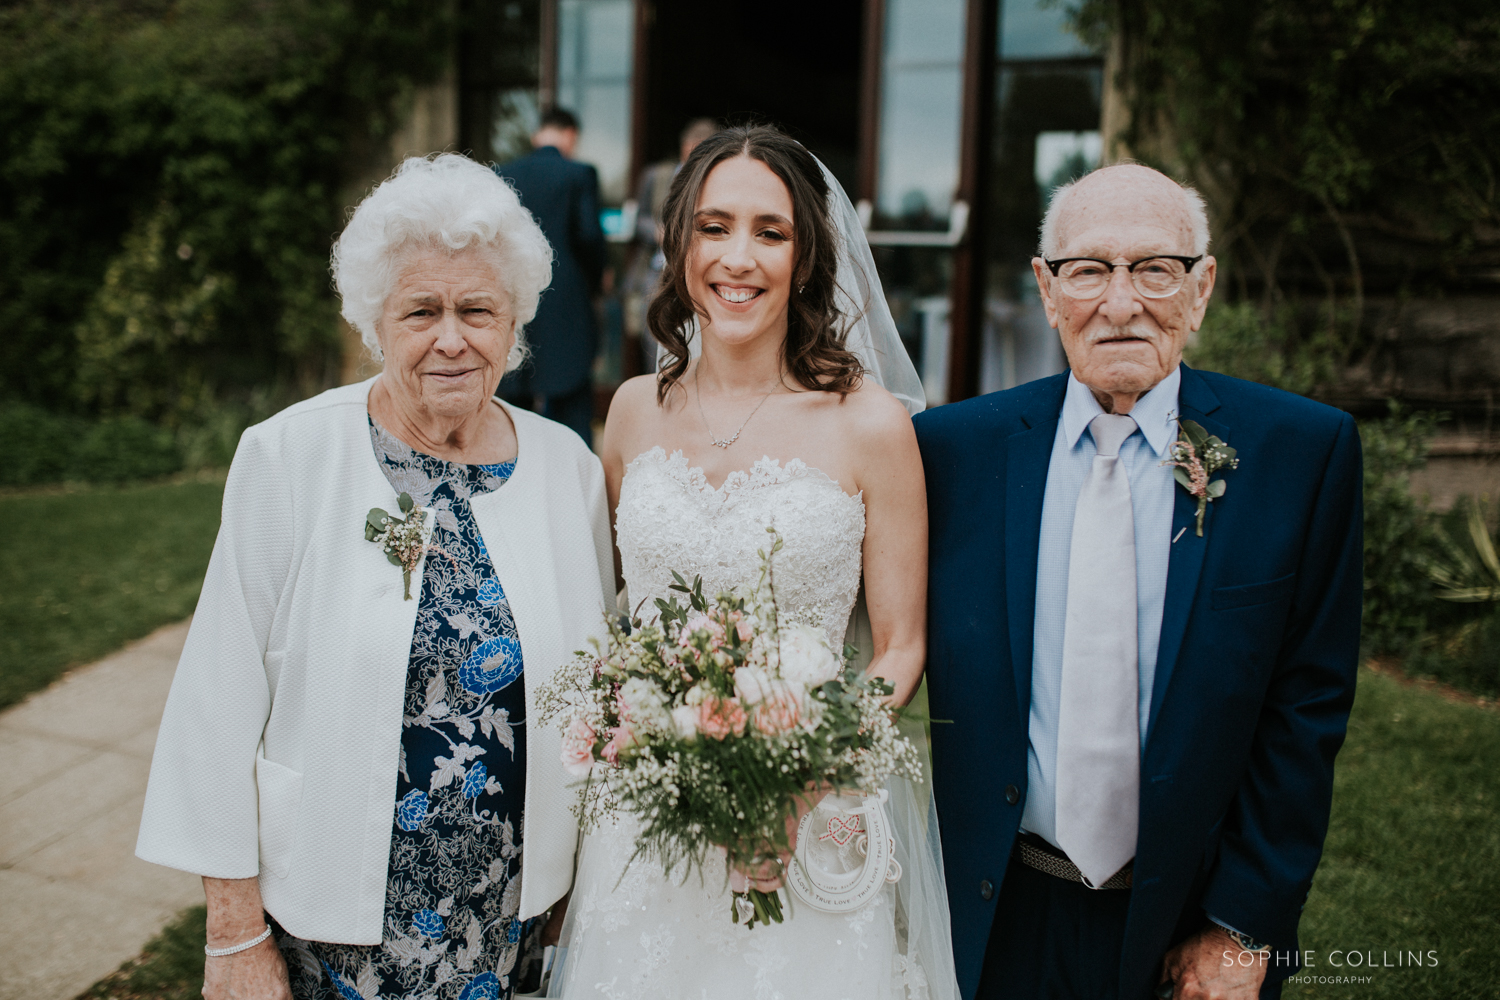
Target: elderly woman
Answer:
[[343, 758]]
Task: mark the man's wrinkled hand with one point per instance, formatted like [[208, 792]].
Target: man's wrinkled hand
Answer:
[[1211, 966]]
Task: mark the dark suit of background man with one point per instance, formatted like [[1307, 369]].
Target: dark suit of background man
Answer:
[[563, 196], [1170, 730]]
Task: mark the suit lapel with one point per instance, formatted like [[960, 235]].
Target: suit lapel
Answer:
[[1185, 564], [1029, 454]]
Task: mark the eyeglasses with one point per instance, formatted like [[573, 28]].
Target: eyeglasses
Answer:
[[1156, 277]]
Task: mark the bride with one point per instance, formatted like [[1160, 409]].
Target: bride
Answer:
[[784, 398]]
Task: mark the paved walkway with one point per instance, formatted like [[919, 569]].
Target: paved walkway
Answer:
[[77, 902]]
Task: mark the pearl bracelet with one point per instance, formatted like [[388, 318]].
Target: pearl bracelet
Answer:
[[237, 948]]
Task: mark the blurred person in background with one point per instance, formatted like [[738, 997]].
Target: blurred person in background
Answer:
[[344, 757], [646, 267], [563, 197]]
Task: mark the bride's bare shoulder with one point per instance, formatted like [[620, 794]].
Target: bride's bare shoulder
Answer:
[[872, 417]]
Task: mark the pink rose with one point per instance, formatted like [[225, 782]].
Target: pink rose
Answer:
[[718, 717], [621, 740], [700, 622], [743, 629], [578, 748], [780, 712]]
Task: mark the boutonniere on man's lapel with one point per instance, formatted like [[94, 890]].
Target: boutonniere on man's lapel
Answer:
[[1195, 456], [402, 539]]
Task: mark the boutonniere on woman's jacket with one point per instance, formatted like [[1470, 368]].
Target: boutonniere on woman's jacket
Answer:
[[1195, 456], [403, 539]]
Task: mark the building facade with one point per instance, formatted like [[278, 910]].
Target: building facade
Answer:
[[946, 121]]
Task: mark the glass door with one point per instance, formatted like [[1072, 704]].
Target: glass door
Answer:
[[912, 211], [1045, 132]]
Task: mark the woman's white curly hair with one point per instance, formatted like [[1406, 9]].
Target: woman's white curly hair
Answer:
[[446, 201]]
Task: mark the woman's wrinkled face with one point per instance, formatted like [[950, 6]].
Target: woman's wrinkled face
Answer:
[[740, 265], [446, 331]]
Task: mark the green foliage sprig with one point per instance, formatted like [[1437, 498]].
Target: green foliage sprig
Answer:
[[1195, 456], [403, 540]]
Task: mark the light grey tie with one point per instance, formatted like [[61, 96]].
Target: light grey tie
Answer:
[[1098, 729]]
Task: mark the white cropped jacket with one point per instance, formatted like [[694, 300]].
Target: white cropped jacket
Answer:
[[277, 755]]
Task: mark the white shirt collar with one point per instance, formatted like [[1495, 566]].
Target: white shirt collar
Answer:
[[1155, 413]]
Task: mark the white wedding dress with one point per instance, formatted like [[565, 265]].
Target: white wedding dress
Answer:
[[634, 931]]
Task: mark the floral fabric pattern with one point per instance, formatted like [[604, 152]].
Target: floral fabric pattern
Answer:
[[454, 879]]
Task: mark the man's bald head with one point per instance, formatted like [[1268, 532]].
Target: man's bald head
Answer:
[[1125, 193]]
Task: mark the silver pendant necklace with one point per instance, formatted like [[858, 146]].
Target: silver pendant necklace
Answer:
[[724, 442]]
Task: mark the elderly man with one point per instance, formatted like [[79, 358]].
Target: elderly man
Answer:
[[1148, 677]]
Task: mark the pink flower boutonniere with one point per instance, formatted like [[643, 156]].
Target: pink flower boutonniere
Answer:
[[1195, 456]]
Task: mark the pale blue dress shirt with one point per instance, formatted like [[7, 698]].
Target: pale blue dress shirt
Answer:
[[1152, 498]]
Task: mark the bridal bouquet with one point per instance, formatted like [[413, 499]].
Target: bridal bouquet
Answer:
[[712, 724]]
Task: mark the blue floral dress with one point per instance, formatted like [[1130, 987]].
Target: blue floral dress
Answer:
[[453, 887]]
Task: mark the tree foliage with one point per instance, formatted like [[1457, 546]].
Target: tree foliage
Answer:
[[171, 177], [1347, 148]]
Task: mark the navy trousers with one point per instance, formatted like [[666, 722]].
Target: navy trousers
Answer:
[[1057, 940]]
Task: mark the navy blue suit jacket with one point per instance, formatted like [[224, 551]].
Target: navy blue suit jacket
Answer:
[[1254, 678], [563, 197]]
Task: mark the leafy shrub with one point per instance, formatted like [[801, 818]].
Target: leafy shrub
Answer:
[[1242, 340], [1466, 657], [172, 174], [40, 447], [1399, 531], [35, 446]]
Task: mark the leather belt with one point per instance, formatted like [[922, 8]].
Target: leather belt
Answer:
[[1060, 867]]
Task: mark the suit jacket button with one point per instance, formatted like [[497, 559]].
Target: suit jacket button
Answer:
[[986, 890], [1012, 795]]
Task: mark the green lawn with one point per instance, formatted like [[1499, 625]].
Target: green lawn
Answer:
[[171, 967], [90, 568], [1412, 863]]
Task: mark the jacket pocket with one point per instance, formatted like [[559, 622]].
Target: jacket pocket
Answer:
[[280, 804], [1281, 588]]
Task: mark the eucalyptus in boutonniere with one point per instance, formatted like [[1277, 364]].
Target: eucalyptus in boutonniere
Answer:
[[402, 539], [1195, 456]]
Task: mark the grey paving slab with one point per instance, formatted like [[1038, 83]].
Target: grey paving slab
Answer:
[[57, 938], [100, 854], [77, 902], [33, 759]]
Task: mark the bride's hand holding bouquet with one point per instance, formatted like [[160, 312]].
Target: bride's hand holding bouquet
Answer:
[[719, 727]]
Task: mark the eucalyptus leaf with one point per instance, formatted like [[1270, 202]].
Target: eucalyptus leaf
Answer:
[[393, 559], [377, 518], [1216, 489], [1196, 434], [406, 503], [371, 532], [1180, 474]]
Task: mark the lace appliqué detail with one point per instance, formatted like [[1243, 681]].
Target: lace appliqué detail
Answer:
[[670, 518]]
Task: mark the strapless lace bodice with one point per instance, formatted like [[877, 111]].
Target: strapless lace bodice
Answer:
[[670, 518]]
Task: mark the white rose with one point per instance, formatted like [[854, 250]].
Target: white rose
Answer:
[[751, 685], [806, 658], [685, 719]]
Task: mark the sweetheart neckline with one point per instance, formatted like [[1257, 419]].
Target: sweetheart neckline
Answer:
[[739, 479]]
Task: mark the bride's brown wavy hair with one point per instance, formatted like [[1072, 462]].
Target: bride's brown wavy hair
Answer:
[[814, 352]]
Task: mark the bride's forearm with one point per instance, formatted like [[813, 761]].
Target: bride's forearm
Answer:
[[901, 668]]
